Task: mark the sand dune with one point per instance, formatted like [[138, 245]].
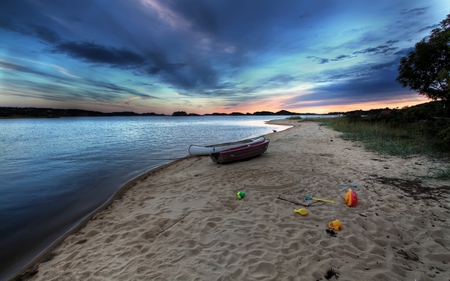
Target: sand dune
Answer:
[[184, 222]]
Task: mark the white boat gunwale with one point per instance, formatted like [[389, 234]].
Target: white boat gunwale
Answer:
[[199, 150]]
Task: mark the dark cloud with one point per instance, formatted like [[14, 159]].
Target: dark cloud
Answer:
[[277, 81], [319, 60], [390, 42], [415, 11], [253, 27], [377, 83], [168, 67], [60, 84], [382, 49], [95, 53], [246, 93], [341, 57], [114, 88], [382, 66], [30, 29], [429, 27], [9, 25], [25, 94], [10, 65], [48, 90], [29, 70], [190, 74], [44, 33], [230, 105], [210, 93], [404, 52]]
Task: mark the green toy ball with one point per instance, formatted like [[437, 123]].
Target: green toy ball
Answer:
[[240, 195]]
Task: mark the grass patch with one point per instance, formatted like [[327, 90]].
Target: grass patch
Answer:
[[443, 174], [397, 138], [400, 139]]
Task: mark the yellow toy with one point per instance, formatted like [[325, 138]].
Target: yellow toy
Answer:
[[319, 199], [301, 211]]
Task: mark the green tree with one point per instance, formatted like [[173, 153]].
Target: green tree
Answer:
[[426, 69]]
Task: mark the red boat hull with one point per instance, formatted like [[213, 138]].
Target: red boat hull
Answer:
[[241, 152]]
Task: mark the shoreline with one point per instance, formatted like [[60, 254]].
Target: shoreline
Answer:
[[30, 268], [168, 220]]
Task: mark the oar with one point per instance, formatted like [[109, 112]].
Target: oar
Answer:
[[319, 199]]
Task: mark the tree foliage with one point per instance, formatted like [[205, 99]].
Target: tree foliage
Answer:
[[426, 69]]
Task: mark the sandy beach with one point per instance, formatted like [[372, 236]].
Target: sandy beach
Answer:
[[185, 222]]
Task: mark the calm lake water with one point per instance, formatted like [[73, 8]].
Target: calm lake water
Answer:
[[55, 172]]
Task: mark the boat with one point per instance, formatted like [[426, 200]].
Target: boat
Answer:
[[242, 152], [198, 150]]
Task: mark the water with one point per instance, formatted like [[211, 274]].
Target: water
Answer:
[[55, 172]]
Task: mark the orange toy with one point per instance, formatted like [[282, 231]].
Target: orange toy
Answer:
[[336, 225], [351, 198]]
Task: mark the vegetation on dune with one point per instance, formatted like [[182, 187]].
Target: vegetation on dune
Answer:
[[402, 132], [295, 118]]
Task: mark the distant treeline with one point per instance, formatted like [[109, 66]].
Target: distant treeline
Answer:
[[422, 111], [32, 112], [281, 112]]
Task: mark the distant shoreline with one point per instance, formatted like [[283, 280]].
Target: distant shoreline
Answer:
[[32, 112]]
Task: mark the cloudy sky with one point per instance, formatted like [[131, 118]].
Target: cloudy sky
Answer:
[[205, 56]]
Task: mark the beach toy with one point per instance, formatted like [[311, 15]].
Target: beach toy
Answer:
[[301, 211], [240, 195], [319, 199], [349, 185], [350, 198], [335, 225]]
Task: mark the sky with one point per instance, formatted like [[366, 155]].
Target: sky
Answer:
[[210, 56]]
